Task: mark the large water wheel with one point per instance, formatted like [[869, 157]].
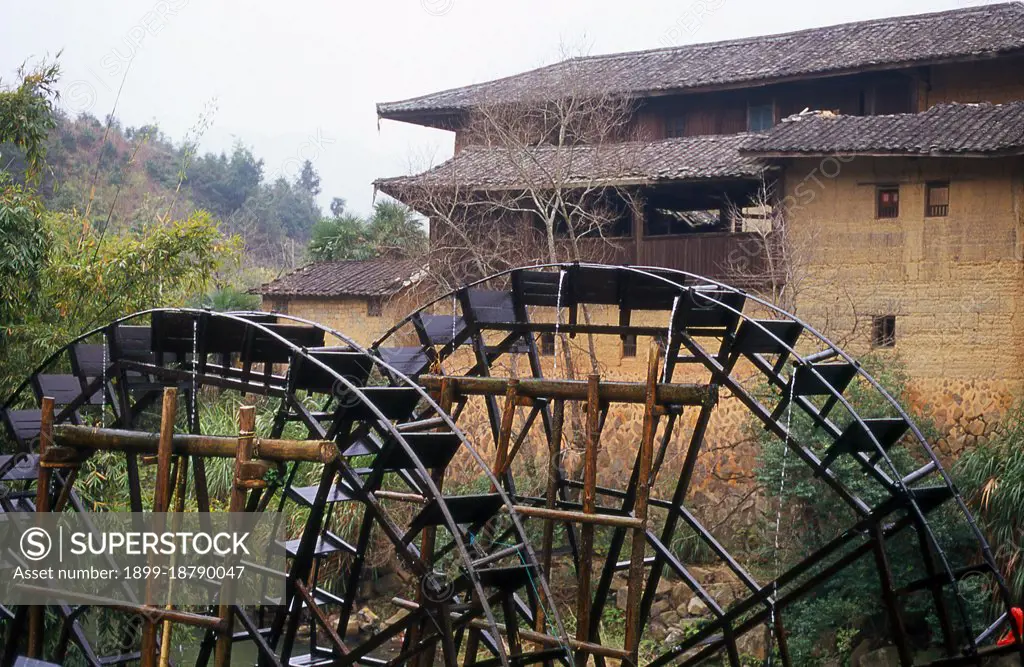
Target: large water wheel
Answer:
[[475, 550]]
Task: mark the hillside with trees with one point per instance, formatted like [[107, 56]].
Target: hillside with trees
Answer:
[[125, 176]]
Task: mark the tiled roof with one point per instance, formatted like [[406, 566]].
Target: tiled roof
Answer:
[[679, 159], [372, 277], [880, 44], [945, 129]]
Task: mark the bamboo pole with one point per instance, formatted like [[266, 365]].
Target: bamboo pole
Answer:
[[156, 613], [589, 508], [161, 499], [181, 477], [37, 613], [243, 454], [583, 518], [643, 491], [576, 390], [530, 635], [186, 444]]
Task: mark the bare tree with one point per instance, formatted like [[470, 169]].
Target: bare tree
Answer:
[[542, 177], [545, 175]]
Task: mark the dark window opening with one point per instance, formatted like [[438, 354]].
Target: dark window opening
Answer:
[[760, 117], [936, 199], [675, 126], [887, 204], [669, 221], [374, 307], [883, 331], [629, 345], [547, 344]]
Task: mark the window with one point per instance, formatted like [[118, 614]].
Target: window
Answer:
[[936, 199], [760, 117], [887, 203], [373, 308], [547, 344], [675, 126], [883, 331], [629, 345], [670, 221]]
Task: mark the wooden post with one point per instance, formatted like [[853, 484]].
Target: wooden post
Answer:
[[505, 433], [243, 454], [554, 452], [429, 537], [161, 499], [643, 493], [37, 613], [589, 507]]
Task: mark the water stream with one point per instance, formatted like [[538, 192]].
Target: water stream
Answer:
[[558, 319], [778, 514]]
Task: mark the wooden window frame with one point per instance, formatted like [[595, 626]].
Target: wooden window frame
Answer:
[[751, 107], [374, 307], [883, 331], [629, 346], [547, 344], [675, 126], [881, 212], [936, 210]]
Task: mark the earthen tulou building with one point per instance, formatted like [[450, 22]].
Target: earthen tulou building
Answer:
[[890, 151]]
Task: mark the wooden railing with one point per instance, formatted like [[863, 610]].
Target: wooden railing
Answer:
[[737, 258], [731, 257]]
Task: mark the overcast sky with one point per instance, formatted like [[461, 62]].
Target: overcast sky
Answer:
[[300, 79]]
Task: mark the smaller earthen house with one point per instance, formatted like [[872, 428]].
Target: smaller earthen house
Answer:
[[359, 298]]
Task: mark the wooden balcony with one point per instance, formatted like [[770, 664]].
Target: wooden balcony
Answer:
[[737, 258]]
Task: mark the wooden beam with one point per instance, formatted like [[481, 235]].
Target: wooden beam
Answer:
[[576, 390], [643, 492]]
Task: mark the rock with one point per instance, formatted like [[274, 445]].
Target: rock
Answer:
[[696, 607], [680, 595], [753, 644], [620, 599], [674, 636], [664, 587], [368, 621], [724, 594], [859, 651], [658, 631], [701, 574], [683, 609], [659, 607], [669, 617], [388, 585]]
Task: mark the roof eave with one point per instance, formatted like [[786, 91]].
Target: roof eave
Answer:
[[428, 116], [790, 154]]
